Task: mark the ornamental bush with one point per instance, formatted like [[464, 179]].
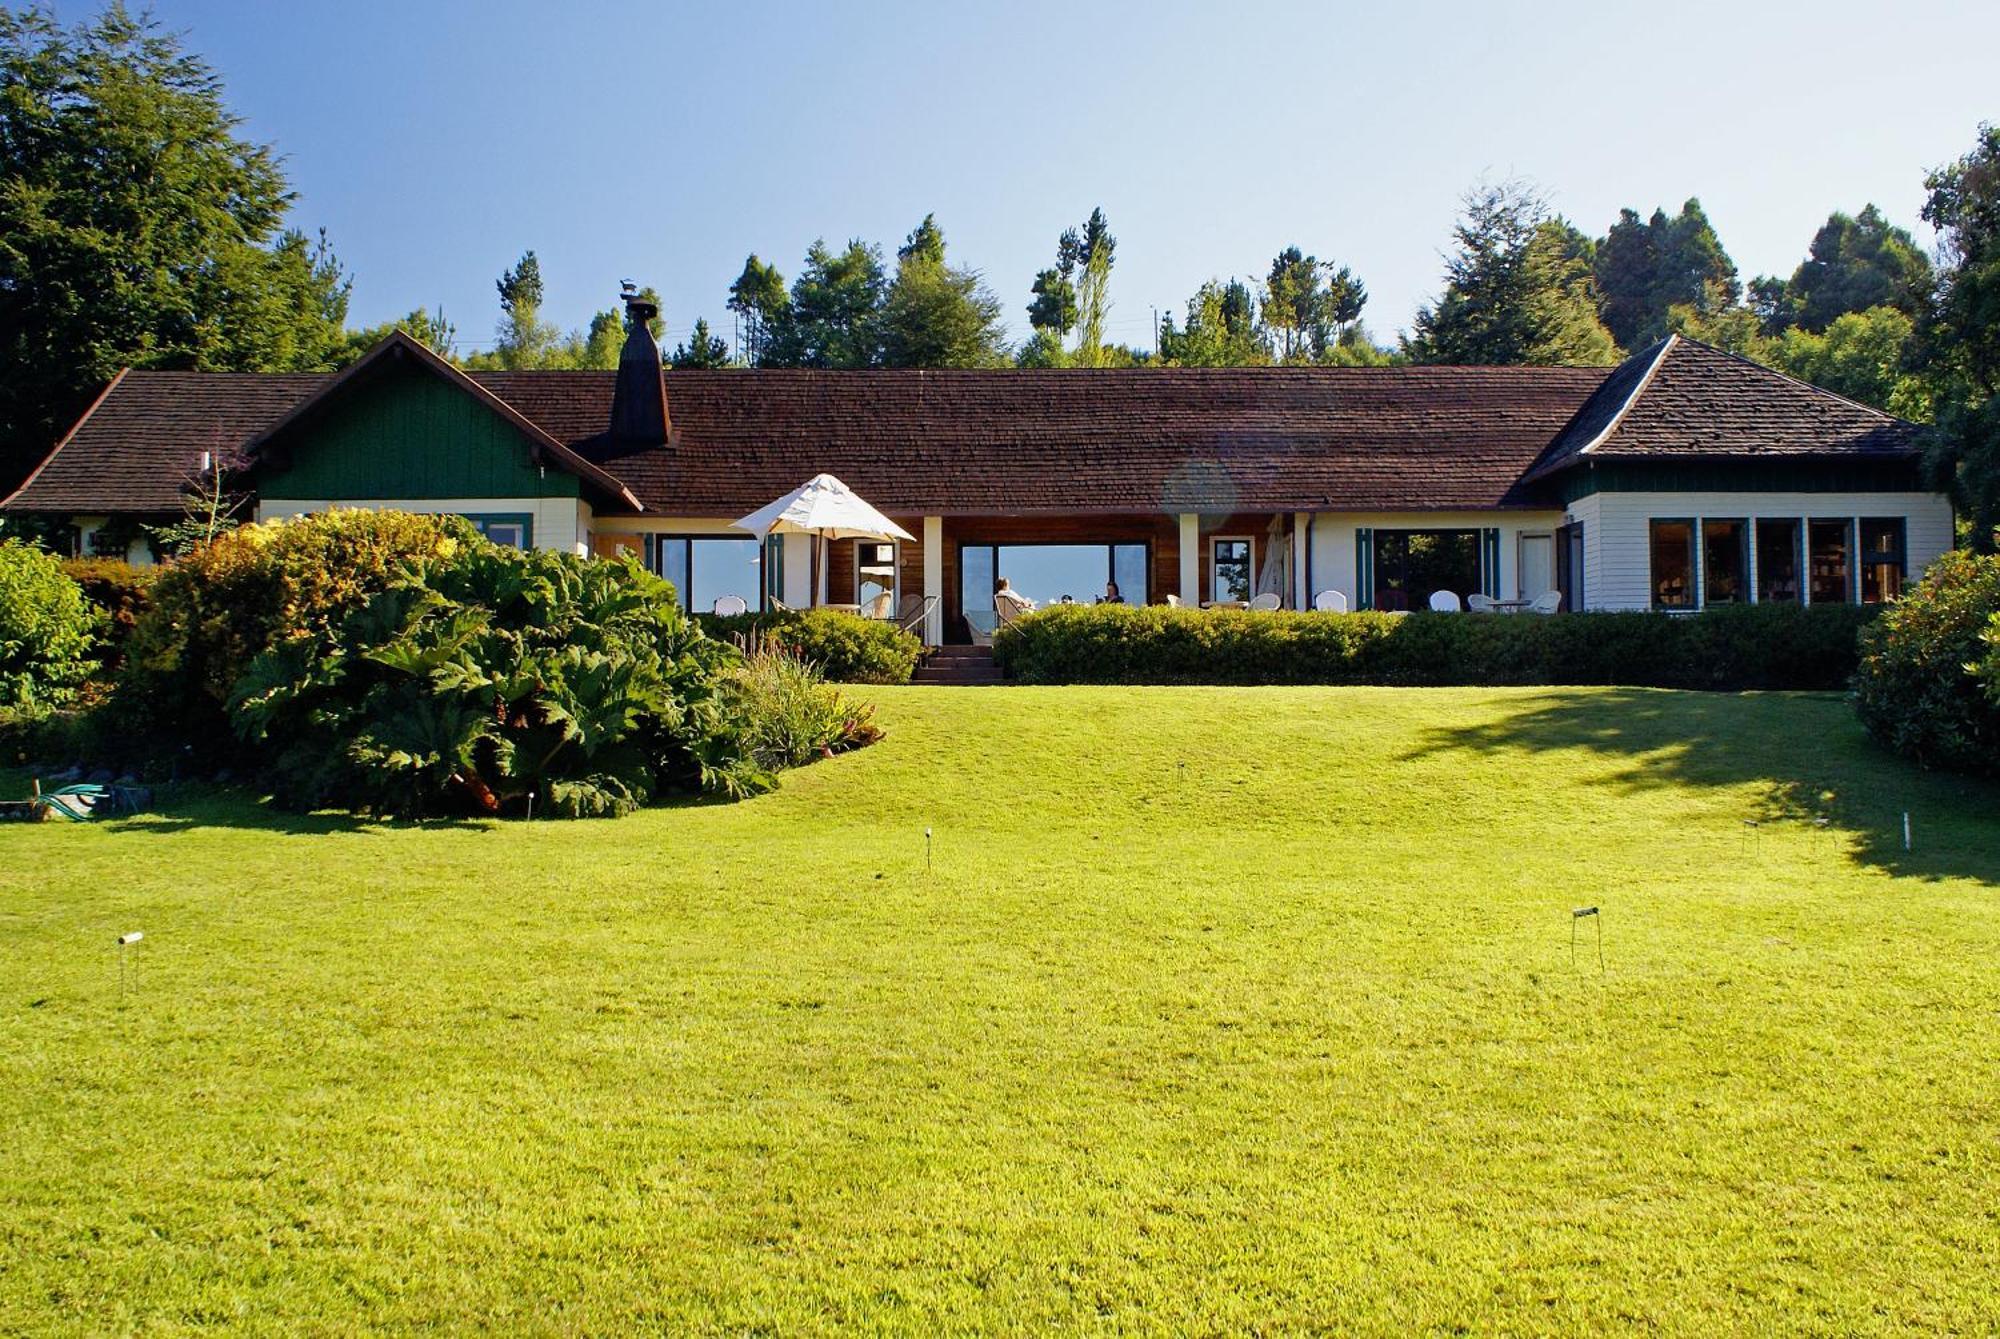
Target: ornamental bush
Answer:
[[48, 630], [121, 591], [1746, 647], [844, 647], [1929, 685]]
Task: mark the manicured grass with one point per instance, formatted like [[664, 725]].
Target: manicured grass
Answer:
[[1218, 1009]]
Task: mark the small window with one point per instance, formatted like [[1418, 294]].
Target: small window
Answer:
[[1232, 575], [1778, 561], [1723, 559], [1673, 564], [1827, 561], [510, 532], [1884, 558]]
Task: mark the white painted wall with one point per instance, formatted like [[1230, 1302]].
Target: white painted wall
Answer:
[[1617, 532], [1333, 542], [561, 523], [138, 553]]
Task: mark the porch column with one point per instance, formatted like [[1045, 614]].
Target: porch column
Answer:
[[934, 580], [1301, 560], [1190, 559]]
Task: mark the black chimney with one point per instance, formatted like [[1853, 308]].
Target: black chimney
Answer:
[[639, 400]]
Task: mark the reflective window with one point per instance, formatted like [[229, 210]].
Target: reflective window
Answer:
[[1778, 561], [1883, 558], [1231, 575], [705, 569], [1413, 565], [1723, 560], [875, 577], [513, 532], [1049, 574], [1827, 561], [1673, 564]]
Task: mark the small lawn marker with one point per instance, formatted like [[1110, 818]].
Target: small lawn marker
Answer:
[[125, 941], [1906, 829], [927, 851], [1576, 916]]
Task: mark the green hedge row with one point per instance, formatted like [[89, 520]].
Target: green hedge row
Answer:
[[1738, 647], [845, 648]]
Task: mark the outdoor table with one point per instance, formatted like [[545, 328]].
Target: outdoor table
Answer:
[[843, 608], [1511, 606], [1225, 604]]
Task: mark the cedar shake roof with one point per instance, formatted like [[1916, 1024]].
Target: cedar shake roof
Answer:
[[1682, 399], [1024, 442]]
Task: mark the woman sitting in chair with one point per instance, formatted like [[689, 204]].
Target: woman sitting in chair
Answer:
[[1010, 603], [1111, 595]]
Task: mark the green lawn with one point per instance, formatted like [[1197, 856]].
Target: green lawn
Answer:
[[1218, 1010]]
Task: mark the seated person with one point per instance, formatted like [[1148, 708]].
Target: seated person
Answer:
[[1010, 602], [1111, 595]]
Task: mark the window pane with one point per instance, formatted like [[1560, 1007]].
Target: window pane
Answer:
[[508, 534], [1673, 564], [1232, 569], [673, 566], [1413, 565], [774, 567], [1722, 562], [1046, 573], [725, 567], [1778, 562], [1831, 581], [975, 587], [1882, 558], [1128, 567]]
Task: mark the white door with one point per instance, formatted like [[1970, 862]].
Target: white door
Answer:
[[1538, 565]]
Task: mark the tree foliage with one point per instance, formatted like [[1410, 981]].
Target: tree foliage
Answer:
[[701, 351], [138, 227], [1309, 305], [48, 630], [1856, 263], [1222, 330], [936, 315], [1962, 335], [1644, 269], [1518, 289]]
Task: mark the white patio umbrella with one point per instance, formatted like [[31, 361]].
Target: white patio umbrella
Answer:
[[827, 509]]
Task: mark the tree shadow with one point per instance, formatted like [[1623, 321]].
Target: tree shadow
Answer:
[[1807, 750]]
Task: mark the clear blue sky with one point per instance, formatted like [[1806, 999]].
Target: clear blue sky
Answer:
[[435, 139]]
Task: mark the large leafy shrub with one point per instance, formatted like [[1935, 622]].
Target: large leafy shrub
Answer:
[[48, 630], [224, 603], [844, 647], [490, 678], [1763, 646], [1929, 669]]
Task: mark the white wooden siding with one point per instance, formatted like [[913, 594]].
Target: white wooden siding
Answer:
[[1617, 531]]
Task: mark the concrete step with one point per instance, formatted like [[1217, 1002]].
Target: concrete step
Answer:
[[935, 673]]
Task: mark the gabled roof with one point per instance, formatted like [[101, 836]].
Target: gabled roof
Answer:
[[1139, 440], [401, 350], [1684, 399]]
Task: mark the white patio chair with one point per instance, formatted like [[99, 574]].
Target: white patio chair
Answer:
[[1267, 602], [1331, 602], [1173, 601], [728, 605], [1446, 602], [1481, 604], [1548, 602], [877, 607]]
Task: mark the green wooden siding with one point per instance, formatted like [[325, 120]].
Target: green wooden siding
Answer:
[[1748, 476], [406, 434]]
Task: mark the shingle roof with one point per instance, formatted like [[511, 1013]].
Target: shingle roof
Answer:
[[1681, 398], [956, 443]]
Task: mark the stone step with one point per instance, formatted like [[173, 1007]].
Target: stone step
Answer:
[[954, 674]]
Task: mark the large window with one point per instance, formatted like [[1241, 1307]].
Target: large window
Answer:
[[1883, 558], [1049, 574], [1724, 562], [1673, 565], [1413, 565], [705, 569], [1778, 561], [1231, 576], [1827, 553]]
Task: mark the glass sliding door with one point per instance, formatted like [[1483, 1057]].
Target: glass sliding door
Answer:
[[1777, 560], [705, 568], [1050, 574], [1129, 573], [1828, 553], [975, 589]]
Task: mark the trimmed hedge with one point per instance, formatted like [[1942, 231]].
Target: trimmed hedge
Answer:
[[845, 648], [1929, 686], [1737, 647]]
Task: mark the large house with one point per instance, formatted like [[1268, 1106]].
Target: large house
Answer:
[[1684, 478]]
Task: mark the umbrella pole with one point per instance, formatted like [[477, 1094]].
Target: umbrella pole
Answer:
[[824, 558]]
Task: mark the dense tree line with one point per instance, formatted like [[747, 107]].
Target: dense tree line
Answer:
[[138, 226]]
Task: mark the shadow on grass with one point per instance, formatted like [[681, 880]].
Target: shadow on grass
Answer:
[[1807, 748], [184, 808]]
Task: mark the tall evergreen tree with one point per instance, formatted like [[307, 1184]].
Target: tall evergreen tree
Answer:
[[702, 351], [1643, 269], [1518, 289], [1857, 262], [936, 315], [833, 319], [1222, 330], [760, 302], [138, 227]]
